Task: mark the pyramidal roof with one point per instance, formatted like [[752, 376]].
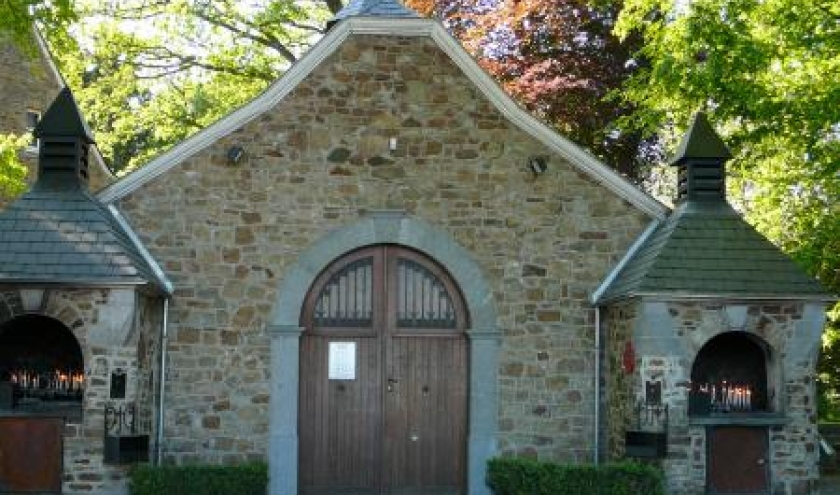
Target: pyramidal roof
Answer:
[[57, 233], [63, 119], [373, 8], [700, 141], [708, 250], [705, 248]]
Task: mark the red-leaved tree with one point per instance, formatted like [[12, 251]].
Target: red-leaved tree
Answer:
[[560, 60]]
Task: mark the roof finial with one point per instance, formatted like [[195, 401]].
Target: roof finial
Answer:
[[701, 157], [372, 8], [63, 119]]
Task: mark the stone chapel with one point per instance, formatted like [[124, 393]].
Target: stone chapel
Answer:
[[382, 272]]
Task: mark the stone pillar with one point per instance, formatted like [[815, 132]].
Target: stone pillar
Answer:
[[283, 437], [484, 407]]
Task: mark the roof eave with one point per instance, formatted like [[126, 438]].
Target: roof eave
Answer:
[[598, 295], [402, 27], [53, 282], [730, 297], [161, 280]]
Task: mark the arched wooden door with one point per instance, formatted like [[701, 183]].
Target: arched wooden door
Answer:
[[383, 378]]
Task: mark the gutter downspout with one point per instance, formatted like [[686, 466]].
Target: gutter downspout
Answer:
[[596, 454], [595, 299], [164, 345]]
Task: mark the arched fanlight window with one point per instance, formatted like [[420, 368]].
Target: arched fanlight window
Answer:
[[384, 286]]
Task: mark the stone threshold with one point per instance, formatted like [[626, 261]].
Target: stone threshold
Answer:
[[739, 420]]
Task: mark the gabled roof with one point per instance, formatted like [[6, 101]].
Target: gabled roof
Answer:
[[374, 8], [706, 249], [68, 237], [401, 27]]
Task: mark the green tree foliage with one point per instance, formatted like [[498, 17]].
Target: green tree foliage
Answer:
[[17, 17], [559, 59], [768, 73], [12, 171], [149, 73]]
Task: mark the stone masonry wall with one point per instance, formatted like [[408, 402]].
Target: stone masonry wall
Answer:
[[319, 160], [104, 323], [681, 330]]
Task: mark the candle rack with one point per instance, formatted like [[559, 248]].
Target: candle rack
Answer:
[[47, 386], [723, 397]]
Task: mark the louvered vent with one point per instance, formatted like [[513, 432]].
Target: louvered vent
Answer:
[[64, 156], [701, 181]]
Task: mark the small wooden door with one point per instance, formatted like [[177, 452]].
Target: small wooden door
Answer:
[[738, 460], [383, 378], [31, 455]]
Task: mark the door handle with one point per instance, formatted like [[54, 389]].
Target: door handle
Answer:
[[762, 461]]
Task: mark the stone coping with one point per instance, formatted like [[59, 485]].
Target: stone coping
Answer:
[[754, 419]]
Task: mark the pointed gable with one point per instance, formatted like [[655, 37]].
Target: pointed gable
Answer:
[[404, 27]]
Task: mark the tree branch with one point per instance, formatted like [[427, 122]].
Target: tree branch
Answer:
[[265, 39]]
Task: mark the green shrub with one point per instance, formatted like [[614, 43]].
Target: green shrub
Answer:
[[243, 479], [517, 476]]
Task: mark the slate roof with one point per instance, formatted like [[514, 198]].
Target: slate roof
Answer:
[[64, 119], [374, 8], [700, 142], [57, 233], [707, 249], [68, 237]]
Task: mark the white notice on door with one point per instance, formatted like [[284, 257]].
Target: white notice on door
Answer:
[[342, 361]]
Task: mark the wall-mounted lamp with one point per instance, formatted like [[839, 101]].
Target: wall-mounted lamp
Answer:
[[537, 164], [235, 154]]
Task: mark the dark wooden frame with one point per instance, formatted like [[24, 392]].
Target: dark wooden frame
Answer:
[[384, 326]]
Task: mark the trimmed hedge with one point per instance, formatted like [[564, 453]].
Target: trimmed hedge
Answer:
[[243, 479], [519, 476]]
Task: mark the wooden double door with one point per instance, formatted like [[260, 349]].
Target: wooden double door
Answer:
[[383, 378]]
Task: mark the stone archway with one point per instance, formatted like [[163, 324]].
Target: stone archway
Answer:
[[382, 228]]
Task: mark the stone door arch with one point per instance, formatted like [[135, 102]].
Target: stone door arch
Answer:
[[483, 333]]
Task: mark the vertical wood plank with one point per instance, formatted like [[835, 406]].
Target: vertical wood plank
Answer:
[[400, 426]]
